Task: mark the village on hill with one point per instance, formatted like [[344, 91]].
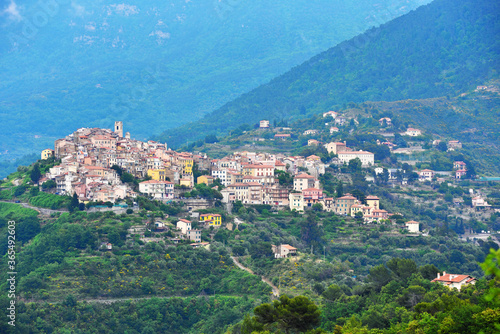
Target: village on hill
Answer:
[[95, 163]]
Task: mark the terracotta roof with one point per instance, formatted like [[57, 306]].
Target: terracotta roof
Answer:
[[304, 176], [347, 197], [356, 152], [412, 222], [450, 278], [155, 182], [312, 189]]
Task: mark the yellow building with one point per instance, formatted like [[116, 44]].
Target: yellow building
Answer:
[[157, 174], [206, 179], [212, 219], [185, 182], [47, 153], [187, 165]]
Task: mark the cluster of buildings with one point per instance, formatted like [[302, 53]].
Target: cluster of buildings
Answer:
[[251, 177], [88, 154]]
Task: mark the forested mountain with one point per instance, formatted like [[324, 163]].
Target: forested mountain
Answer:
[[154, 64], [443, 48]]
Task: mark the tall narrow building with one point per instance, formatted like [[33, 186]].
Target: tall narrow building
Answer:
[[119, 128]]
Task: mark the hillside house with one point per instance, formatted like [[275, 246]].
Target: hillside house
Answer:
[[312, 142], [412, 132], [367, 158], [284, 250], [157, 189], [330, 113], [413, 226], [336, 147], [454, 145], [310, 132], [264, 124], [194, 235], [459, 165], [344, 203], [47, 153], [184, 225], [282, 136], [312, 196], [211, 219], [454, 281], [303, 181], [376, 216], [373, 201], [340, 120], [426, 175], [478, 201], [334, 129], [459, 174], [385, 120], [205, 179], [296, 201]]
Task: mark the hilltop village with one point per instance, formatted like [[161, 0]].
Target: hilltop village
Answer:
[[95, 161]]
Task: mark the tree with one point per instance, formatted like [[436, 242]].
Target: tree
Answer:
[[210, 139], [333, 292], [340, 189], [310, 231], [118, 169], [49, 184], [27, 228], [35, 175], [127, 177], [379, 276], [402, 268], [355, 166], [261, 249], [298, 314], [429, 271], [442, 146], [74, 203], [359, 217]]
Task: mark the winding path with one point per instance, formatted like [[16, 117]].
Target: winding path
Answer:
[[276, 291], [43, 211]]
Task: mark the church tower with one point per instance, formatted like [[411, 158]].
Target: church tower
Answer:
[[119, 128]]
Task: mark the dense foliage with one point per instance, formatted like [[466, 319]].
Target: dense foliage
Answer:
[[446, 47], [115, 61]]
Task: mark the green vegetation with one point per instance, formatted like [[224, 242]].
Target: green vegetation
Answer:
[[111, 64], [451, 49]]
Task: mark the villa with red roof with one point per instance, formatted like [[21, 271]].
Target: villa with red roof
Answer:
[[454, 281]]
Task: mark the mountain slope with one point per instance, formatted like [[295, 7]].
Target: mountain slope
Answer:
[[442, 48], [154, 64]]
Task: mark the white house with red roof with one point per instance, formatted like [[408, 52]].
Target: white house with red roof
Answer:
[[478, 201], [334, 129], [454, 281], [330, 113], [413, 226], [412, 132], [459, 165], [264, 124], [425, 175], [303, 181], [284, 250], [459, 174]]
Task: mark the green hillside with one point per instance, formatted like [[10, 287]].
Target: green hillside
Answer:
[[155, 64], [440, 49]]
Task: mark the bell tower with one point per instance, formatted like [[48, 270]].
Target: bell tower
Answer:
[[119, 128]]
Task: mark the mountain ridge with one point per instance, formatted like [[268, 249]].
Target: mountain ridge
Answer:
[[436, 50]]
